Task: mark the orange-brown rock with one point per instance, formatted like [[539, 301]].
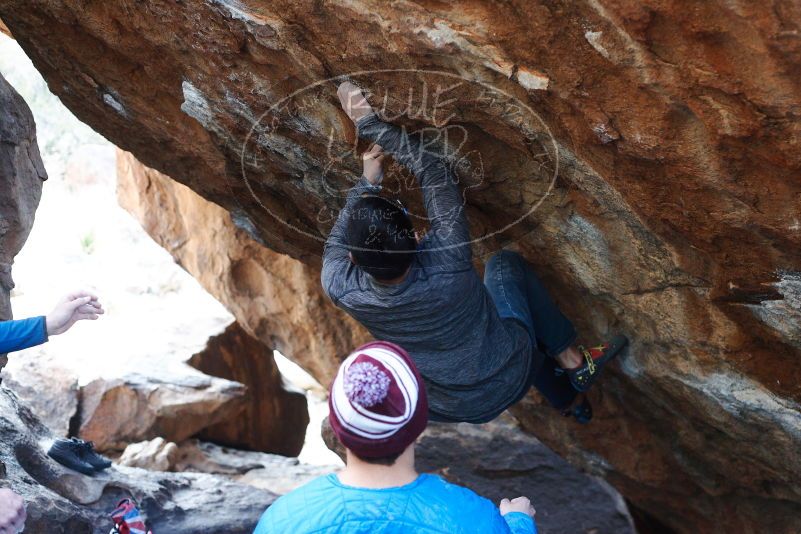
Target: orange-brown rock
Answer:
[[276, 299], [275, 415], [169, 402], [675, 218], [4, 29]]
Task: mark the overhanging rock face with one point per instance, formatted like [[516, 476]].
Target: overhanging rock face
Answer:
[[675, 216]]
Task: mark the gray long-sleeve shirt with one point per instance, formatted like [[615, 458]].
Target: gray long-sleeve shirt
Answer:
[[474, 363]]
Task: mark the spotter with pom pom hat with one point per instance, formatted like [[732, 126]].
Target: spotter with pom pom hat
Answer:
[[378, 401]]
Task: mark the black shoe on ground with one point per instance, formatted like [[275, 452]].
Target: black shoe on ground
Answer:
[[90, 456], [595, 358], [70, 454]]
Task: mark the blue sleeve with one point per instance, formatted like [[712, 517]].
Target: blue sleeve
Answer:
[[520, 523], [486, 517], [18, 335]]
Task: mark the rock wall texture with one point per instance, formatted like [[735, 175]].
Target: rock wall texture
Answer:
[[227, 389], [675, 216], [61, 501], [173, 403], [276, 299], [21, 177]]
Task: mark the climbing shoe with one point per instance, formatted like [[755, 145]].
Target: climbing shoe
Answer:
[[90, 456], [581, 412], [70, 454], [595, 358]]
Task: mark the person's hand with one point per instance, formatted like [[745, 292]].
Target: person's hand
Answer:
[[352, 100], [374, 164], [520, 504], [12, 512], [71, 309]]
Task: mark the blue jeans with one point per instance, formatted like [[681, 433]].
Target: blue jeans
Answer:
[[518, 294]]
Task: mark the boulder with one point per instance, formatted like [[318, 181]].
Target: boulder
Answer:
[[21, 175], [155, 455], [61, 501], [275, 416], [134, 397], [275, 473], [641, 154], [229, 392], [118, 411], [48, 388]]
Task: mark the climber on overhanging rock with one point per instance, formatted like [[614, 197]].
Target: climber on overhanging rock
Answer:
[[480, 347], [378, 408]]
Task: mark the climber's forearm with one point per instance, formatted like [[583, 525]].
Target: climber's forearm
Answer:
[[443, 200]]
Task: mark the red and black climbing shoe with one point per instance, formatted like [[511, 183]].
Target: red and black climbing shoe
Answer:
[[595, 358]]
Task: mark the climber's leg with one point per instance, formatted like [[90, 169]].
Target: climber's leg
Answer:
[[523, 297], [555, 334], [554, 385], [518, 294]]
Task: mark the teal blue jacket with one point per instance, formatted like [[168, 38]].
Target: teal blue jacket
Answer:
[[427, 505], [18, 335]]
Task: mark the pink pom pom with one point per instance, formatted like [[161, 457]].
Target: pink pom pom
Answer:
[[366, 385]]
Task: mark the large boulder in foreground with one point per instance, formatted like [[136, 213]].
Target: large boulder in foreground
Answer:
[[61, 501], [141, 396], [21, 175], [658, 144], [48, 388], [226, 387], [174, 405]]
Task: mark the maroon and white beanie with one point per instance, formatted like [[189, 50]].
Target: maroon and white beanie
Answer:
[[378, 403]]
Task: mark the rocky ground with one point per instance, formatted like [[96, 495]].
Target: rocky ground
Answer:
[[62, 501]]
